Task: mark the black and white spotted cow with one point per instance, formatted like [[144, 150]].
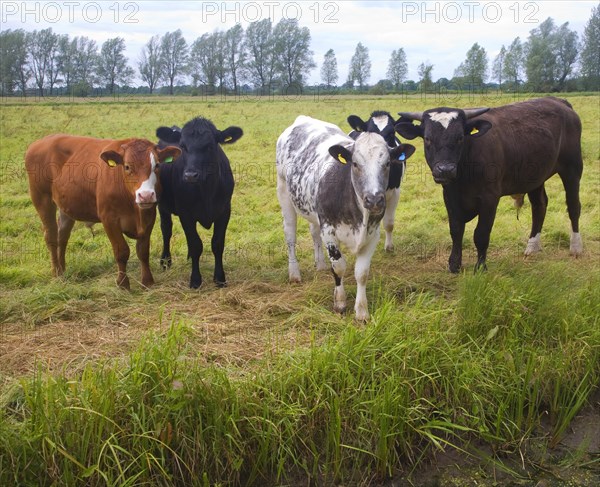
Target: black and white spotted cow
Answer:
[[338, 184], [382, 123]]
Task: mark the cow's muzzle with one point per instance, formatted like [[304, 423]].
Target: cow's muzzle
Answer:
[[145, 199], [374, 203], [191, 176], [444, 172]]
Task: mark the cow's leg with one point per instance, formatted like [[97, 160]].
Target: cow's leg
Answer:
[[218, 246], [195, 247], [65, 225], [290, 219], [166, 229], [392, 196], [142, 248], [361, 273], [570, 178], [539, 202], [46, 208], [338, 268], [120, 251], [315, 232], [456, 221], [481, 236]]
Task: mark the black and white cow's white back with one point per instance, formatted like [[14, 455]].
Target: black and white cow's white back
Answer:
[[338, 184], [383, 123]]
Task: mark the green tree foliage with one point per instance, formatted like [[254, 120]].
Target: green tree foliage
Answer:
[[292, 51], [150, 64], [203, 60], [174, 50], [514, 63], [498, 66], [112, 64], [259, 46], [590, 51], [14, 69], [475, 67], [425, 76], [42, 47], [360, 67], [397, 68], [329, 69], [551, 53], [235, 55]]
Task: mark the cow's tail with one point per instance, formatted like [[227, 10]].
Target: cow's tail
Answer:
[[519, 199]]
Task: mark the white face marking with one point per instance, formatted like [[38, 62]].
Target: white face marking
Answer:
[[372, 154], [148, 186], [444, 118], [381, 122]]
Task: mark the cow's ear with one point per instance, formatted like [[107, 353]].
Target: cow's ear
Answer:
[[357, 123], [229, 135], [402, 152], [113, 153], [477, 128], [408, 130], [168, 154], [168, 135], [340, 153]]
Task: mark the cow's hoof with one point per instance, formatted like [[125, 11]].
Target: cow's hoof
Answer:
[[389, 248], [339, 308], [322, 266], [576, 245], [123, 283], [454, 269], [220, 283], [195, 284], [166, 262], [534, 245]]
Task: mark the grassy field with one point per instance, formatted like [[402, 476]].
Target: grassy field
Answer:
[[260, 382]]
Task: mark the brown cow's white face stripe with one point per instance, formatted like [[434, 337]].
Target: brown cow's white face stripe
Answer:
[[146, 193]]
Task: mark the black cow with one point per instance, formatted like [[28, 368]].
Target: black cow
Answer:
[[197, 187], [383, 123], [479, 155]]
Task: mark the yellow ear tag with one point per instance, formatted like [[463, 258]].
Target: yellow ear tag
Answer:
[[227, 139], [341, 159], [111, 163], [474, 131]]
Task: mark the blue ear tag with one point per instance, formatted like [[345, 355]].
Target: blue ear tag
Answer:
[[402, 157]]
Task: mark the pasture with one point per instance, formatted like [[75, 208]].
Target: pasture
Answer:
[[260, 382]]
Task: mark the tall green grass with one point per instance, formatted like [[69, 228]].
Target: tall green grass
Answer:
[[485, 368]]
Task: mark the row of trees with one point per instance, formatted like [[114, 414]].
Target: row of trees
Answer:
[[267, 55]]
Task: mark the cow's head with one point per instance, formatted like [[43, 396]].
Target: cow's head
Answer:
[[444, 132], [139, 160], [199, 140], [380, 123], [370, 158]]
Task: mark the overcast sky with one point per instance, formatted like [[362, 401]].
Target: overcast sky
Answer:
[[440, 32]]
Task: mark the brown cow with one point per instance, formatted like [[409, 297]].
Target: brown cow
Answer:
[[97, 180]]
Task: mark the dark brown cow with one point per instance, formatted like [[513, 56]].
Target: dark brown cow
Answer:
[[479, 155], [97, 180]]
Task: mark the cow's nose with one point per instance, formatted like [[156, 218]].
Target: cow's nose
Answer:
[[146, 197], [444, 171], [191, 176], [374, 201]]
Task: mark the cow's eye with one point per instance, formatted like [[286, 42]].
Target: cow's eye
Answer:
[[127, 167], [427, 141]]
